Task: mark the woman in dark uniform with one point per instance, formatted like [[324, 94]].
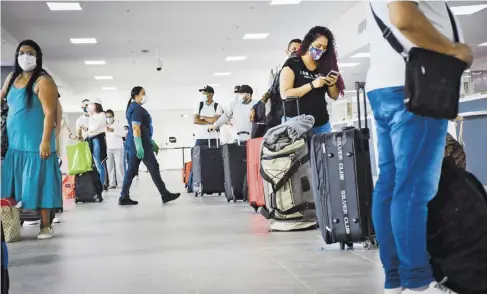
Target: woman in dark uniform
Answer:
[[139, 145]]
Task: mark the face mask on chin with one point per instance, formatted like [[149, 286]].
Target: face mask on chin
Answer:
[[316, 53], [27, 62]]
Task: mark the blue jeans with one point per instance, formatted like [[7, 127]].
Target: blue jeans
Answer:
[[199, 142], [410, 150], [98, 160]]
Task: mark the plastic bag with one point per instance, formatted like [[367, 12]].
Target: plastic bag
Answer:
[[79, 158]]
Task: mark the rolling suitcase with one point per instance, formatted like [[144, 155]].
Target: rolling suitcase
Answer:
[[255, 186], [342, 183], [186, 171], [88, 187], [208, 177], [235, 167]]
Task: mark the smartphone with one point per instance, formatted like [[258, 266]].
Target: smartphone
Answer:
[[333, 73]]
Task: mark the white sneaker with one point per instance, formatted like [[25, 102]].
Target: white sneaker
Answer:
[[56, 220], [31, 223], [45, 233], [434, 288], [393, 291]]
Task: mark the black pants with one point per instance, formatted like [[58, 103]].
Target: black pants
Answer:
[[133, 169]]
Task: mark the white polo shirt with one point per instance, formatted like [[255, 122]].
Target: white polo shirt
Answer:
[[82, 121], [387, 67], [114, 139], [239, 114], [208, 110]]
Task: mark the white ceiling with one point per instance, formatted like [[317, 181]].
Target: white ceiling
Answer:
[[194, 39]]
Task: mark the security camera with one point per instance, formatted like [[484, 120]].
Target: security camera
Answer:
[[159, 65]]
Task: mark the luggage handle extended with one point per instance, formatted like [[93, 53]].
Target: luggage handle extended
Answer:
[[242, 133], [361, 86], [217, 131], [290, 98]]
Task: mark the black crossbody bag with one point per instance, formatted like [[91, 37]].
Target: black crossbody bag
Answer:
[[433, 79]]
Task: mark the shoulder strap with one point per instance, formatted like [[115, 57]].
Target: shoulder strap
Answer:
[[201, 107], [215, 106], [453, 24]]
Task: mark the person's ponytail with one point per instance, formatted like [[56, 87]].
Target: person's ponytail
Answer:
[[135, 91]]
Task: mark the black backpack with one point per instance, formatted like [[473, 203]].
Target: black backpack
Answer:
[[457, 230], [202, 104]]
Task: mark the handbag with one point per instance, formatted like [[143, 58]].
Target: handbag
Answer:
[[79, 158], [10, 220], [433, 80]]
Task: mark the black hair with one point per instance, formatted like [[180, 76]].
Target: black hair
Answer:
[[85, 100], [294, 41], [126, 127], [98, 108], [328, 60], [110, 111], [135, 91], [29, 89]]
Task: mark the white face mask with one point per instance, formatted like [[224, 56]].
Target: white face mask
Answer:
[[27, 62], [204, 98], [144, 100], [110, 120]]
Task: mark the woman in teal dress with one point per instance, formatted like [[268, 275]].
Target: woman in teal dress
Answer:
[[30, 170]]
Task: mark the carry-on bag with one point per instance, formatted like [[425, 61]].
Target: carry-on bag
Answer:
[[88, 187], [342, 183], [286, 171], [457, 234], [10, 220], [255, 185], [187, 171], [79, 158], [235, 167], [208, 175]]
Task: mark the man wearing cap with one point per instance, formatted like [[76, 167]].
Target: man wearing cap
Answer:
[[206, 112], [239, 112], [82, 122]]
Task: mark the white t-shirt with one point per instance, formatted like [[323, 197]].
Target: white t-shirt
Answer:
[[452, 129], [387, 67], [82, 121], [114, 139], [208, 110], [97, 124], [239, 113]]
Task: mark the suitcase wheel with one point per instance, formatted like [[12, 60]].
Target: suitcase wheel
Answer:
[[21, 223], [349, 245], [219, 194], [254, 206], [228, 200]]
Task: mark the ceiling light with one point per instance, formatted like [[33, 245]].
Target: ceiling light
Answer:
[[467, 9], [255, 36], [83, 40], [221, 74], [58, 6], [109, 88], [214, 85], [95, 62], [348, 64], [361, 55], [483, 44], [236, 58], [284, 2], [103, 78]]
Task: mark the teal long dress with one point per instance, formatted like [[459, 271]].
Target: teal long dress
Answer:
[[34, 181]]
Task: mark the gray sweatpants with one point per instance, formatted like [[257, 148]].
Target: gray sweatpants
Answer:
[[115, 167]]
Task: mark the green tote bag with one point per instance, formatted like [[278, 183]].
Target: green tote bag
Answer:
[[79, 158]]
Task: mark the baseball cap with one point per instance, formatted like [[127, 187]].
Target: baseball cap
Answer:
[[207, 89], [235, 90], [245, 89], [95, 100]]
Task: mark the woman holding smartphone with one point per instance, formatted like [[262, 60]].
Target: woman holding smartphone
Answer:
[[311, 75]]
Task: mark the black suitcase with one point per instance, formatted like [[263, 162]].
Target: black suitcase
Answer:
[[208, 175], [235, 169], [88, 187], [342, 183]]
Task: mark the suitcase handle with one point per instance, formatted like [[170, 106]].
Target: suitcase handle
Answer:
[[242, 133], [361, 86], [217, 131], [290, 98]]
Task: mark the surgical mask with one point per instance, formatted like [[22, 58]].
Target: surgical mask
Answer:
[[27, 62], [293, 54], [110, 120], [144, 100], [316, 53], [235, 96], [204, 98], [241, 98]]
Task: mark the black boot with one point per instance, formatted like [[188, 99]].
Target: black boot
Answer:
[[168, 197], [127, 201]]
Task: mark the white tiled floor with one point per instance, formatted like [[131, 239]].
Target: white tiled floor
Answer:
[[193, 245]]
